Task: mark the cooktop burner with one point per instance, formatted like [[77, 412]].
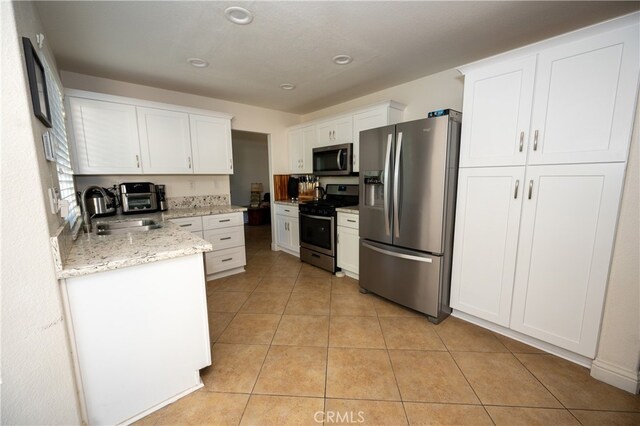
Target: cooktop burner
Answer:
[[337, 196]]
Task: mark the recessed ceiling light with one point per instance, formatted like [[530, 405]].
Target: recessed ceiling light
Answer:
[[238, 15], [198, 63], [342, 59], [287, 86]]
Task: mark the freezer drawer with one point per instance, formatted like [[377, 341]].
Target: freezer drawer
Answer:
[[409, 278]]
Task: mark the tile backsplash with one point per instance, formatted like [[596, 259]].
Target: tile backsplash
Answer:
[[198, 201]]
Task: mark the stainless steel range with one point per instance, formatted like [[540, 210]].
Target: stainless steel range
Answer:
[[318, 225]]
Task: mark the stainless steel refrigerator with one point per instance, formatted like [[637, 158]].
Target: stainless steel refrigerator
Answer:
[[408, 178]]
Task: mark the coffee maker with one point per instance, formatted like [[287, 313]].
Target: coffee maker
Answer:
[[161, 196]]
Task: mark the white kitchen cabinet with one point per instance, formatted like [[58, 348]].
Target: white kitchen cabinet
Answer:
[[348, 247], [211, 145], [365, 120], [336, 131], [584, 100], [165, 142], [486, 241], [497, 109], [104, 137], [567, 232], [225, 232], [288, 229], [301, 143]]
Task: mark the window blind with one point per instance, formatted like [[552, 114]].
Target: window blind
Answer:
[[61, 145]]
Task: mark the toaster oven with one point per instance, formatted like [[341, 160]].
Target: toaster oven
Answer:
[[138, 197]]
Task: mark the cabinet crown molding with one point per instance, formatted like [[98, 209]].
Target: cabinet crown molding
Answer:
[[389, 103], [627, 21], [144, 103]]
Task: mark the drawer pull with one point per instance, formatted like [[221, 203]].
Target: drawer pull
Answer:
[[188, 224], [287, 210], [225, 238], [226, 260], [224, 220], [351, 220]]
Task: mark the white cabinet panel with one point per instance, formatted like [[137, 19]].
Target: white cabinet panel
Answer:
[[216, 221], [364, 121], [301, 144], [566, 238], [219, 261], [105, 136], [584, 99], [191, 224], [348, 249], [485, 242], [335, 132], [164, 141], [211, 145], [288, 233], [225, 237], [497, 110], [287, 210], [308, 143]]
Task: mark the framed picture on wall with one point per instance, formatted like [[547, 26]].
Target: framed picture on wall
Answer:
[[37, 83]]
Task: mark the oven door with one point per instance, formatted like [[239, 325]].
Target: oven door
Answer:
[[333, 160], [317, 233]]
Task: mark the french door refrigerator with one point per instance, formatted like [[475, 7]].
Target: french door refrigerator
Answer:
[[408, 178]]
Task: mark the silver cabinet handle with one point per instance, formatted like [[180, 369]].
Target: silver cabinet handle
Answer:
[[286, 226], [286, 210], [228, 259], [224, 220], [189, 158], [530, 188], [351, 220], [387, 164], [137, 161], [225, 238], [188, 224], [535, 140], [396, 188], [521, 140], [515, 194], [230, 164]]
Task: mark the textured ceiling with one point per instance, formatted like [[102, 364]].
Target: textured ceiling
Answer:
[[293, 42]]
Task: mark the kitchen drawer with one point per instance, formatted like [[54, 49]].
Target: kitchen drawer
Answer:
[[224, 260], [190, 224], [348, 220], [291, 211], [222, 220], [225, 238]]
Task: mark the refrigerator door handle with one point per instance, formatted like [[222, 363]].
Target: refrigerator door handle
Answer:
[[399, 255], [396, 186], [387, 163]]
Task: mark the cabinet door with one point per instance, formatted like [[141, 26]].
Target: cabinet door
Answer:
[[486, 240], [308, 143], [496, 111], [283, 236], [348, 249], [105, 136], [324, 134], [165, 142], [295, 151], [585, 97], [568, 226], [343, 130], [364, 121], [211, 145], [294, 229]]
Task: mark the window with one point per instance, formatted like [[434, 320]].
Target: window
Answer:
[[61, 146]]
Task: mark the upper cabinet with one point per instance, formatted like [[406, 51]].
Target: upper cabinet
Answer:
[[114, 135], [164, 141], [301, 143], [105, 136], [336, 131], [211, 145], [569, 101]]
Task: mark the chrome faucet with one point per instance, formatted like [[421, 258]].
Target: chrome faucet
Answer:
[[86, 217]]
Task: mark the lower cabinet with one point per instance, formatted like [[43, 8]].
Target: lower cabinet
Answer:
[[348, 244], [226, 233], [532, 250], [288, 229]]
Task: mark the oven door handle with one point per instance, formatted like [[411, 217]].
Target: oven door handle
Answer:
[[329, 218]]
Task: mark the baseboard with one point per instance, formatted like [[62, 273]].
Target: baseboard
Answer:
[[617, 376], [351, 274], [531, 341], [223, 274]]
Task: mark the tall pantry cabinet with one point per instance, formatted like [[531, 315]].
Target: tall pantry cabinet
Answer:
[[545, 140]]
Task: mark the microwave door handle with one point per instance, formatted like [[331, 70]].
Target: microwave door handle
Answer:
[[396, 188], [387, 163], [339, 158]]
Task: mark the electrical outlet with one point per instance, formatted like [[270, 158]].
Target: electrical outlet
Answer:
[[54, 196]]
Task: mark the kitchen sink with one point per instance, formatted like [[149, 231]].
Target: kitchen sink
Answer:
[[124, 227]]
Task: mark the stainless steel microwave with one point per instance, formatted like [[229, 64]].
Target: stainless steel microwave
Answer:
[[334, 160]]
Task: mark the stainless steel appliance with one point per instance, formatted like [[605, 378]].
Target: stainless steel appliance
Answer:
[[138, 197], [161, 197], [408, 176], [100, 203], [318, 225], [334, 160]]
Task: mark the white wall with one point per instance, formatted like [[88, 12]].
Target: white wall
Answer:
[[618, 357], [37, 375], [250, 164]]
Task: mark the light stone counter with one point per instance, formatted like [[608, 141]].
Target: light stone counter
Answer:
[[287, 203], [91, 253], [349, 209]]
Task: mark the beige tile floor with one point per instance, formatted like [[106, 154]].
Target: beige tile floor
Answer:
[[290, 342]]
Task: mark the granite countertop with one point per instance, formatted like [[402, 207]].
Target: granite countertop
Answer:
[[287, 202], [91, 253], [349, 209]]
